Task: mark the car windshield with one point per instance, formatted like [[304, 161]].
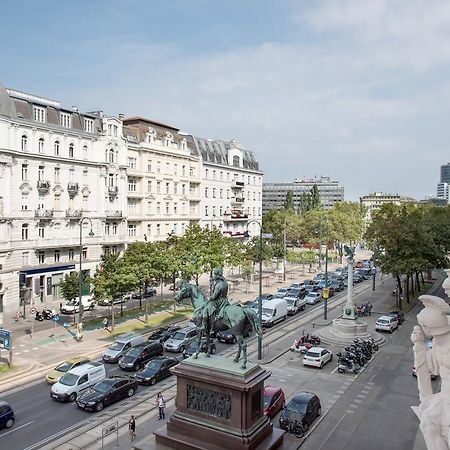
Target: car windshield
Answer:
[[63, 367], [153, 365], [294, 291], [134, 352], [103, 386], [382, 321], [116, 346], [312, 354], [267, 311], [311, 295], [193, 346], [72, 303], [297, 406], [179, 336], [267, 399], [290, 301], [69, 379]]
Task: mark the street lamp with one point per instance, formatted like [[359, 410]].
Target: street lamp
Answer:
[[325, 302], [260, 283], [80, 273]]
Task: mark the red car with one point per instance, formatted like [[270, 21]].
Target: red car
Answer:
[[273, 400]]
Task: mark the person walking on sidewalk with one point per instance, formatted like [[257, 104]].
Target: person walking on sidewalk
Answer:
[[105, 324], [161, 405], [132, 428]]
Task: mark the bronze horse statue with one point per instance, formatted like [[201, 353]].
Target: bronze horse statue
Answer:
[[235, 317]]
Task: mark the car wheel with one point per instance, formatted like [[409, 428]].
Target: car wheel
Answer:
[[130, 392], [153, 381], [9, 423], [331, 358], [234, 340], [319, 411], [72, 397], [99, 406], [341, 370], [213, 351], [136, 367], [376, 348], [321, 365], [355, 371]]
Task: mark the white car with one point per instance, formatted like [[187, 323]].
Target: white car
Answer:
[[312, 298], [386, 323], [317, 357]]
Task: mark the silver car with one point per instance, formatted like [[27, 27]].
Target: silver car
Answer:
[[181, 339]]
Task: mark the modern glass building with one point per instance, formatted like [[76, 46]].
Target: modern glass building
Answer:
[[445, 173]]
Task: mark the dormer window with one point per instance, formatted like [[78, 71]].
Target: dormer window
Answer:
[[65, 120], [39, 114], [235, 161], [89, 125]]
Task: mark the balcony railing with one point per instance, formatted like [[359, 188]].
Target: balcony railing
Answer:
[[43, 186], [235, 215], [42, 213], [237, 199], [112, 213], [236, 234], [74, 214], [72, 188], [113, 190], [238, 185]]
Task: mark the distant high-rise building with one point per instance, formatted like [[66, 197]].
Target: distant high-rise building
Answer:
[[443, 190], [445, 173], [274, 194]]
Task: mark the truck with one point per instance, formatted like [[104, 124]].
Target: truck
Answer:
[[274, 311], [294, 304]]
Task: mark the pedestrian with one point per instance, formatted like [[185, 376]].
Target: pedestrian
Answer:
[[132, 428], [369, 308], [105, 324], [60, 306], [161, 405]]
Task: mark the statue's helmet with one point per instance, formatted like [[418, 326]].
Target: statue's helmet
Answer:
[[434, 318], [218, 272]]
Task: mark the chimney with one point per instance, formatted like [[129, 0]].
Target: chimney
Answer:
[[121, 116]]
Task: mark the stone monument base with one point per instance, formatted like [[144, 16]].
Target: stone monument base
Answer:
[[219, 405]]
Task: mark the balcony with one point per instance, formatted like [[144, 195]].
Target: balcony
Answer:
[[237, 185], [72, 188], [43, 214], [115, 239], [235, 216], [113, 191], [43, 186], [235, 234], [74, 214], [237, 200], [116, 214]]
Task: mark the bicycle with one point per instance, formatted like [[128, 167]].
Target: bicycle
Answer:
[[295, 424]]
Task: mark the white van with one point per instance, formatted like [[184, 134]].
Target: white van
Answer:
[[121, 345], [72, 307], [294, 304], [77, 380], [274, 311]]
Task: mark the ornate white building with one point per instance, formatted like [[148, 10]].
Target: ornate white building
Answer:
[[56, 167]]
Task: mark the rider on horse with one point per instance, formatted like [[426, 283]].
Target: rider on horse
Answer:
[[219, 293]]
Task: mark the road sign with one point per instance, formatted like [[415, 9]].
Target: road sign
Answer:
[[5, 339], [33, 310], [326, 292], [267, 235], [55, 317]]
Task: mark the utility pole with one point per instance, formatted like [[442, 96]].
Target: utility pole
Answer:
[[284, 251]]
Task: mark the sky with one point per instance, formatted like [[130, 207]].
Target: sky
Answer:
[[358, 90]]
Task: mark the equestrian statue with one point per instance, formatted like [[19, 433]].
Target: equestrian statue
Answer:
[[216, 314]]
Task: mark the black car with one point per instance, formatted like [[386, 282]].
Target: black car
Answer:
[[192, 348], [138, 356], [338, 286], [107, 391], [164, 333], [306, 405], [155, 370], [308, 282], [149, 292], [296, 293], [6, 415], [398, 315], [228, 336]]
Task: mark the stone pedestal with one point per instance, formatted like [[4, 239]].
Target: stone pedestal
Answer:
[[219, 405]]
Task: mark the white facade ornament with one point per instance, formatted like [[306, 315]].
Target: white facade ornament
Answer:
[[434, 409]]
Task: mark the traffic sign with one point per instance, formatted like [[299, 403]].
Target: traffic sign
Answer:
[[5, 339], [267, 235], [326, 292], [33, 310], [55, 317]]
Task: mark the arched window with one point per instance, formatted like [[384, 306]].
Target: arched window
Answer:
[[110, 157], [56, 148], [236, 161], [41, 145], [85, 152], [24, 143], [71, 151], [24, 231]]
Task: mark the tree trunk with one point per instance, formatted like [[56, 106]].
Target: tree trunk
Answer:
[[417, 281], [412, 284], [399, 284], [407, 288], [423, 281]]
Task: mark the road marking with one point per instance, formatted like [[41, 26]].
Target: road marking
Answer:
[[17, 428], [354, 406], [363, 391], [370, 382], [332, 431], [361, 396], [16, 353], [349, 411], [340, 392], [25, 351], [358, 400]]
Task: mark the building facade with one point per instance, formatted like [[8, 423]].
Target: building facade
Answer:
[[274, 194], [375, 201], [57, 166], [231, 187]]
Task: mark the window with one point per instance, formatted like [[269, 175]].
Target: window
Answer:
[[41, 257], [220, 193], [175, 188], [214, 174], [221, 175], [167, 168], [71, 254], [56, 148], [175, 208], [25, 259], [24, 143], [158, 229], [175, 169], [85, 205], [24, 202], [132, 230], [158, 187], [56, 174], [228, 193], [25, 231], [214, 211], [85, 152], [132, 204], [132, 185], [167, 188], [206, 192], [183, 189], [39, 114], [167, 208], [114, 250], [149, 186], [24, 171], [206, 211], [114, 229], [84, 252], [41, 145], [149, 229], [206, 173], [214, 192], [65, 120], [132, 163], [149, 207], [71, 151], [183, 171], [110, 155], [158, 167], [41, 173], [41, 231], [149, 166], [57, 255], [89, 125], [191, 172], [107, 229], [57, 201]]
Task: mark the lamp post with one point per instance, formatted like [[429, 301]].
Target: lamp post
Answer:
[[284, 251], [325, 299], [320, 246], [260, 283], [80, 273]]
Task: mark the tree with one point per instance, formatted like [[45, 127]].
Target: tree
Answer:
[[309, 201], [70, 286], [289, 202]]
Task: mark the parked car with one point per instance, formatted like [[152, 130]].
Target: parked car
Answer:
[[386, 323], [107, 391], [55, 374], [73, 306], [274, 311], [357, 278], [137, 357], [274, 400], [192, 348], [294, 304], [317, 357], [121, 345], [149, 292], [399, 315], [108, 301], [155, 370], [318, 277], [321, 283], [6, 415], [308, 282], [297, 292], [164, 333], [311, 288], [228, 337], [306, 404], [313, 297], [297, 285], [281, 292], [181, 339], [337, 285], [331, 291]]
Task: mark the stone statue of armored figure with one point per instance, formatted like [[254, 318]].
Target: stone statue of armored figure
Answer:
[[434, 408]]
